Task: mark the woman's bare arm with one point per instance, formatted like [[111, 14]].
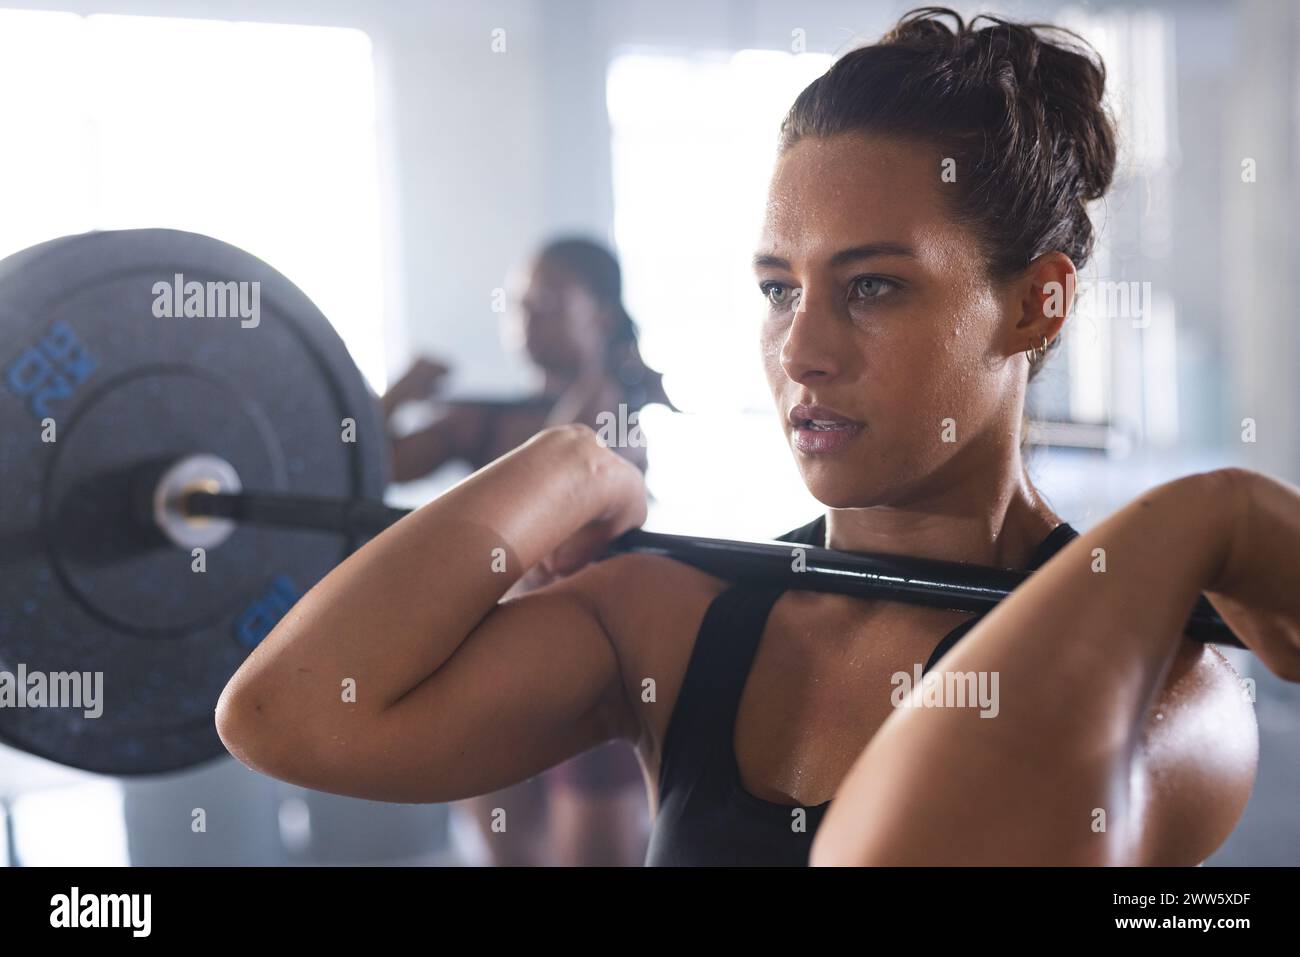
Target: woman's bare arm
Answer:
[[455, 693], [1196, 760], [1057, 777]]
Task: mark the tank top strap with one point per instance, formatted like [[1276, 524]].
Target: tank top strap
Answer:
[[1056, 539], [814, 533], [704, 715]]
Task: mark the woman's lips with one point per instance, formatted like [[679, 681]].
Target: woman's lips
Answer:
[[820, 430], [825, 439]]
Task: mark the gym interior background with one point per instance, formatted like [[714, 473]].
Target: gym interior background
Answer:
[[397, 158]]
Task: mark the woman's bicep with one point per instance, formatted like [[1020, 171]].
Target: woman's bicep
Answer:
[[1195, 763], [535, 683]]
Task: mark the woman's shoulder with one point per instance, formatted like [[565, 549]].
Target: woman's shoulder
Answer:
[[1199, 748], [652, 606], [651, 609], [638, 595]]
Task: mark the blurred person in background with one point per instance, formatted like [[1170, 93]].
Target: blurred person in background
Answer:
[[572, 326]]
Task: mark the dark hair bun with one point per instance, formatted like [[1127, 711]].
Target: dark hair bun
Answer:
[[1055, 80], [1019, 105]]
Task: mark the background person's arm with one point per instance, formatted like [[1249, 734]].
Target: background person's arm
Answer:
[[418, 383], [455, 436]]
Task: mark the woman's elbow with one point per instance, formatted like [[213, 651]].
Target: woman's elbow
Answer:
[[236, 725], [247, 726], [312, 750]]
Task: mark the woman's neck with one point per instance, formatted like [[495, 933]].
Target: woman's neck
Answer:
[[998, 519], [556, 382]]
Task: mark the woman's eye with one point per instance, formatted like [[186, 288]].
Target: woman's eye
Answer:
[[870, 287], [776, 293]]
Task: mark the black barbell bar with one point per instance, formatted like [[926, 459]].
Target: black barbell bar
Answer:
[[954, 586], [354, 517]]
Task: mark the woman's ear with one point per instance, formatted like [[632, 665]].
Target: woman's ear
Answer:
[[1046, 295]]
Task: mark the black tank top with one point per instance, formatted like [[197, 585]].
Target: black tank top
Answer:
[[706, 817]]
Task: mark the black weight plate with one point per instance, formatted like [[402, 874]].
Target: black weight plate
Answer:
[[83, 586]]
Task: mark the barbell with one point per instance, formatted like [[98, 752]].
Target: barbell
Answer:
[[955, 586], [166, 395]]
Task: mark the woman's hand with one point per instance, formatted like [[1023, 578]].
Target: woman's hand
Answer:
[[622, 486], [1257, 588], [419, 382]]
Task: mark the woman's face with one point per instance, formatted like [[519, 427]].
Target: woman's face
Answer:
[[561, 326], [877, 308]]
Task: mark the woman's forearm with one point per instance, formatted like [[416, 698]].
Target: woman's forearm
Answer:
[[1258, 589], [399, 607], [1077, 654]]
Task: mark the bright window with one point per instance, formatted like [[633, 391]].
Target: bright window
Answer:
[[694, 144], [261, 135]]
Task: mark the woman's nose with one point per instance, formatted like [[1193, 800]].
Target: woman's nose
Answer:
[[812, 346]]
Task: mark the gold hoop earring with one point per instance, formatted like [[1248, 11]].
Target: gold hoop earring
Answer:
[[1037, 353]]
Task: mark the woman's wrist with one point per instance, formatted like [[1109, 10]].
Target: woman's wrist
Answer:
[[558, 493], [1198, 512], [1221, 500], [599, 472]]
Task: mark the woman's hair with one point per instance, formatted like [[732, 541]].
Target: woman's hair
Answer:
[[1019, 112], [596, 269]]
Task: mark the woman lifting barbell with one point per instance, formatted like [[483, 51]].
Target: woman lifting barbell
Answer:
[[905, 313]]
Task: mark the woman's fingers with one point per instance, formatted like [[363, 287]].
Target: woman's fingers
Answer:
[[626, 510], [419, 381], [425, 374]]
